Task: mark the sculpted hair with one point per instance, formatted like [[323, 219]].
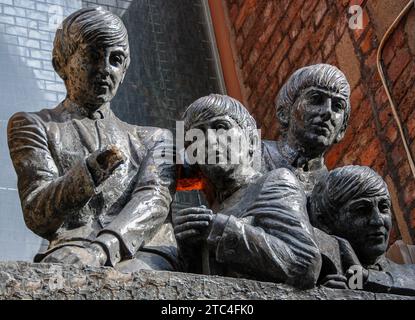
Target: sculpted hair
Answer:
[[88, 25], [323, 76], [215, 105], [341, 186]]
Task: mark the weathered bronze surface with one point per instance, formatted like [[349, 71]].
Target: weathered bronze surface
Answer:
[[313, 108], [92, 185], [100, 189], [353, 203], [257, 226]]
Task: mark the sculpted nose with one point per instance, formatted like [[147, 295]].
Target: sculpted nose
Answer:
[[376, 218], [326, 109]]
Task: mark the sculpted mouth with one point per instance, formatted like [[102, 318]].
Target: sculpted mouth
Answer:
[[322, 129], [376, 235]]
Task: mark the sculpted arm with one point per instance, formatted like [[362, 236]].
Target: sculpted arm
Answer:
[[276, 240], [46, 195], [149, 205]]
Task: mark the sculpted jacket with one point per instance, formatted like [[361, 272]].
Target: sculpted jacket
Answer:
[[59, 199], [276, 154], [262, 232]]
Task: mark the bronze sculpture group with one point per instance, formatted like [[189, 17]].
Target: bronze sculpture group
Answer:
[[99, 190]]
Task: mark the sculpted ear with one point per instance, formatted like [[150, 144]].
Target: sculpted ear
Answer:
[[340, 135], [58, 68], [342, 132], [282, 115]]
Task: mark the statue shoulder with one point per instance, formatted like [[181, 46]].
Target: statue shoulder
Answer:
[[36, 118], [153, 135], [282, 176]]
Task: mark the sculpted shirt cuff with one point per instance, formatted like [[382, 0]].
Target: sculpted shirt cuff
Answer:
[[80, 176], [378, 280], [217, 230], [111, 245]]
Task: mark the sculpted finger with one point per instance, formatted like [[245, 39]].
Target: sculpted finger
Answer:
[[191, 225], [336, 277], [195, 210], [335, 284], [187, 234], [192, 217]]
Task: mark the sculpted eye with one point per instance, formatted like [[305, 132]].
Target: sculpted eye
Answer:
[[116, 59], [221, 125], [384, 207], [316, 98], [339, 105]]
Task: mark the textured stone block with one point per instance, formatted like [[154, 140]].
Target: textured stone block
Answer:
[[22, 280]]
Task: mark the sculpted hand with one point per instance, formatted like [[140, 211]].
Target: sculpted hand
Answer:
[[193, 224], [102, 163], [94, 255], [335, 281]]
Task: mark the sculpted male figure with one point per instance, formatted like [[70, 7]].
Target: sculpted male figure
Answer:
[[313, 108], [92, 185], [257, 226], [353, 203]]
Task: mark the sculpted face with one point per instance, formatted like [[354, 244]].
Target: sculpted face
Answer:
[[93, 73], [316, 119], [365, 223], [225, 146]]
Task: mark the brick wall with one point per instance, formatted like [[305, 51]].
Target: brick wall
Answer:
[[274, 38]]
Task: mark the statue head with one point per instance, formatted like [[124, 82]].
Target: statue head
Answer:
[[313, 107], [354, 203], [227, 137], [91, 54]]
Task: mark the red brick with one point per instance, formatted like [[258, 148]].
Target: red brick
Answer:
[[367, 43], [295, 28], [409, 192], [374, 82], [404, 83], [279, 55], [356, 96], [298, 47], [371, 153], [329, 44], [379, 165], [381, 98], [365, 113], [397, 40], [404, 172], [391, 132], [246, 9], [398, 153], [398, 64], [341, 25], [388, 54], [233, 13], [385, 116], [319, 12], [308, 9], [283, 72], [406, 106], [371, 61], [410, 126], [262, 84]]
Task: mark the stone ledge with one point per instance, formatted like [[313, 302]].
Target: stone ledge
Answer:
[[22, 280]]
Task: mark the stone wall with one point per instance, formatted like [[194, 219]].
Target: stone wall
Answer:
[[274, 38], [21, 280]]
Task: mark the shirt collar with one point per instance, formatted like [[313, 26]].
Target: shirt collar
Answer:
[[297, 160], [99, 114]]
